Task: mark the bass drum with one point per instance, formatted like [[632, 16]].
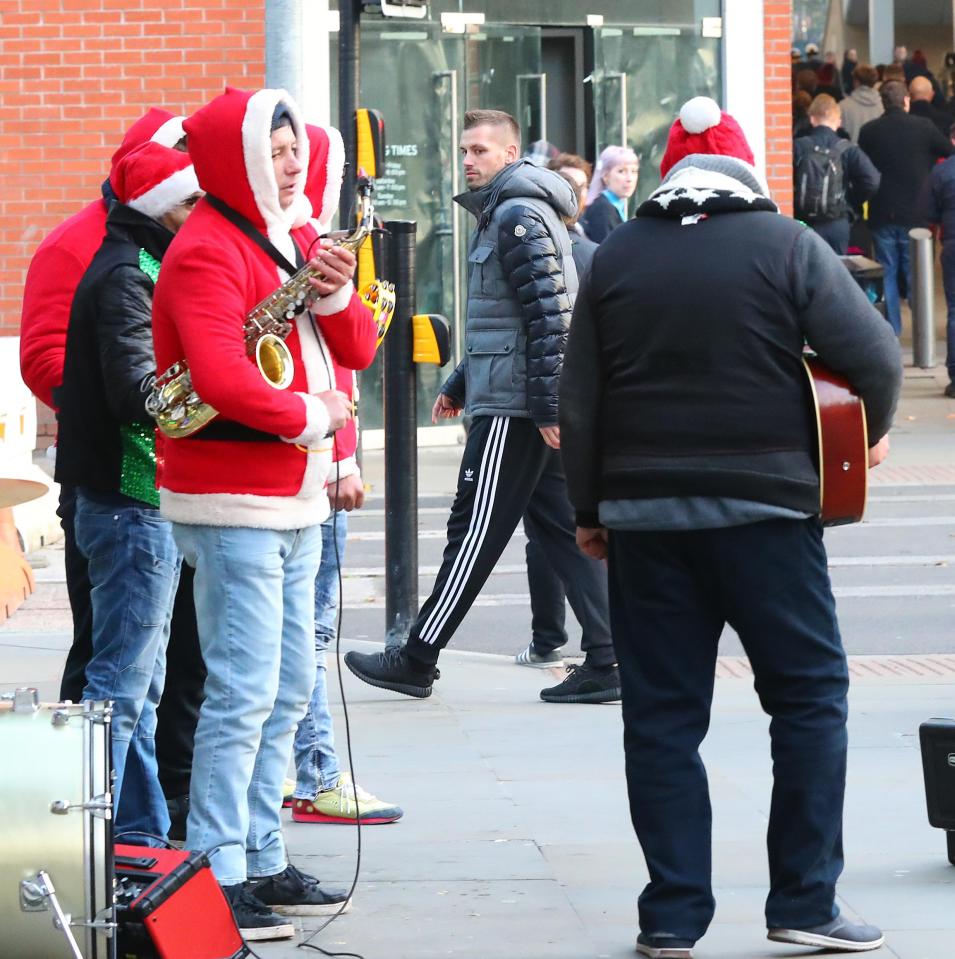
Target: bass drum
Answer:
[[56, 830]]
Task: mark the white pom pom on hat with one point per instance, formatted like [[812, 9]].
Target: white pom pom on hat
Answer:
[[699, 114]]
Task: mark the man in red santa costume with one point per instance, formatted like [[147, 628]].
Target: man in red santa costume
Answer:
[[246, 495]]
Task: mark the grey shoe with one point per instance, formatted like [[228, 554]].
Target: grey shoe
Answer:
[[530, 657], [664, 947], [837, 934]]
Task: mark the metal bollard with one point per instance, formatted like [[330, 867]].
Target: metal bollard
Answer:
[[401, 439], [922, 297]]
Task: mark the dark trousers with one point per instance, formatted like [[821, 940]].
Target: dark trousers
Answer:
[[508, 471], [185, 671], [670, 595], [948, 281], [835, 233], [548, 601]]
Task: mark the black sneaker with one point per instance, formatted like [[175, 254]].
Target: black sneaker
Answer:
[[664, 947], [256, 922], [295, 893], [393, 669], [950, 390], [585, 684], [178, 814], [837, 934]]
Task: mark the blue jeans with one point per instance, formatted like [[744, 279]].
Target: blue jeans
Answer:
[[316, 762], [133, 571], [254, 595], [670, 595], [948, 281], [891, 245]]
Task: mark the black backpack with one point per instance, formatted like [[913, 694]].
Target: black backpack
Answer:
[[820, 180]]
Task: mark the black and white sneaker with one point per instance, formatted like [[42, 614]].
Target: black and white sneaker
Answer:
[[664, 947], [393, 669], [295, 893], [538, 660], [585, 684], [838, 934], [256, 922]]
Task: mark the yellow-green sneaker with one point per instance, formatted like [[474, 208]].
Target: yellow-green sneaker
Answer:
[[288, 792], [337, 805]]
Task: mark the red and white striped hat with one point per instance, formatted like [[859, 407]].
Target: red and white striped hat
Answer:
[[154, 179]]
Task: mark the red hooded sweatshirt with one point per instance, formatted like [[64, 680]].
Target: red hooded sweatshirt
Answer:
[[211, 277], [61, 260], [323, 185]]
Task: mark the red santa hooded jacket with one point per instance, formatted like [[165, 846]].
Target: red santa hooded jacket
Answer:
[[211, 277], [323, 185], [60, 262]]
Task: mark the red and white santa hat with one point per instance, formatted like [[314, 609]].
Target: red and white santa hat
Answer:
[[154, 179], [703, 128]]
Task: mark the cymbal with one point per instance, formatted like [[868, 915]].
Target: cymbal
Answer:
[[17, 490]]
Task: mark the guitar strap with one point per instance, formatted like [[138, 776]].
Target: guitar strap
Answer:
[[257, 237]]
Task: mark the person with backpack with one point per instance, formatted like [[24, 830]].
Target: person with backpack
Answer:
[[832, 176]]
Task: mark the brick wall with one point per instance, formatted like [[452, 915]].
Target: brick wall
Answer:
[[73, 75], [777, 16]]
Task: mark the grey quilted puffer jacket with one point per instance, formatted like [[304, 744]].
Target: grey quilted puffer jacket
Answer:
[[521, 288]]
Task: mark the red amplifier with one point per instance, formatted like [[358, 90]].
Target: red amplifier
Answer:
[[169, 906]]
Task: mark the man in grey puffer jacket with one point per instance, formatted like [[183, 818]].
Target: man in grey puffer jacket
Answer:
[[521, 287]]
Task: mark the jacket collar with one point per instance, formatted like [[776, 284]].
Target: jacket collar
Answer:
[[128, 225]]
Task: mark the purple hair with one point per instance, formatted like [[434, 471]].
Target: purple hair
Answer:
[[610, 157]]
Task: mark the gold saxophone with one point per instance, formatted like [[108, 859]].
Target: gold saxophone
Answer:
[[173, 402]]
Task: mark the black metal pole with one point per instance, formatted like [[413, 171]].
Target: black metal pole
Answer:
[[349, 57], [401, 439]]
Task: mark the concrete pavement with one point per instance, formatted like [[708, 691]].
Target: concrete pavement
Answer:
[[516, 840]]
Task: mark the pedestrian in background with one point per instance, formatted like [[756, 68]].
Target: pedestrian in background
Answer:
[[689, 447], [864, 103], [613, 183], [941, 211]]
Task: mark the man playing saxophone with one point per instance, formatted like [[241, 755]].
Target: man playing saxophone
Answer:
[[246, 494]]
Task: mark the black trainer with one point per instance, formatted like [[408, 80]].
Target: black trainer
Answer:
[[585, 684], [295, 893], [256, 922], [664, 947], [178, 814], [393, 669], [837, 934]]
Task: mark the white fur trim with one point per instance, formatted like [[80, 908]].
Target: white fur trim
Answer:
[[334, 302], [167, 194], [317, 422], [303, 213], [700, 114], [315, 355], [334, 173], [247, 509], [342, 468], [257, 151], [170, 133]]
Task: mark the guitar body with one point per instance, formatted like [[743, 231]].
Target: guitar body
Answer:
[[843, 445]]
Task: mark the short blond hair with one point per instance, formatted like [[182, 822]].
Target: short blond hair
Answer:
[[823, 107], [493, 118]]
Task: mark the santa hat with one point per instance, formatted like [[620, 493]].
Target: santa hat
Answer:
[[154, 179], [159, 126], [323, 183], [703, 128]]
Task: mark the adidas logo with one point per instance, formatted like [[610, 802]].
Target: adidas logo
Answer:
[[469, 476]]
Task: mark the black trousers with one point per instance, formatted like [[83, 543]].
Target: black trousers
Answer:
[[670, 595], [835, 233], [185, 670], [508, 471]]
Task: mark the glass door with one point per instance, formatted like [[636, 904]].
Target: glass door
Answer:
[[423, 80], [642, 76]]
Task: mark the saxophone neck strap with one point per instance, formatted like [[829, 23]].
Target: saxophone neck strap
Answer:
[[256, 236]]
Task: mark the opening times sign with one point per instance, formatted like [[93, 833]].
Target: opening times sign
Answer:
[[391, 190]]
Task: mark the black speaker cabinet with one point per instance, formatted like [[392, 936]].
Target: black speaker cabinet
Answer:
[[937, 739]]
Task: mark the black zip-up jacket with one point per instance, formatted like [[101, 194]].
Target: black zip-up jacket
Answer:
[[903, 149], [683, 375], [110, 366], [600, 219], [860, 177]]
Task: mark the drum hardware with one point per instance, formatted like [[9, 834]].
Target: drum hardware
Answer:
[[101, 806], [25, 699], [37, 895]]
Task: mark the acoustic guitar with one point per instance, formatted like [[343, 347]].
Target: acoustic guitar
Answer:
[[843, 455]]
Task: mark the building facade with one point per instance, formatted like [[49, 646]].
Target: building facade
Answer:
[[579, 75]]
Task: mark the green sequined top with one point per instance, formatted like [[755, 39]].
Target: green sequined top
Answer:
[[138, 469]]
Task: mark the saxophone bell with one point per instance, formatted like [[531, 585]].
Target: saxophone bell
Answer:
[[274, 360]]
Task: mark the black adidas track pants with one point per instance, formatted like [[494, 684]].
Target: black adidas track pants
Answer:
[[508, 470]]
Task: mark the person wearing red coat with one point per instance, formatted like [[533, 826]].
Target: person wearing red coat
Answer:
[[247, 494], [323, 792]]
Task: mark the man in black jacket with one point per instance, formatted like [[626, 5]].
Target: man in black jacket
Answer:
[[106, 450], [849, 177], [688, 438], [921, 95], [904, 149], [521, 286]]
